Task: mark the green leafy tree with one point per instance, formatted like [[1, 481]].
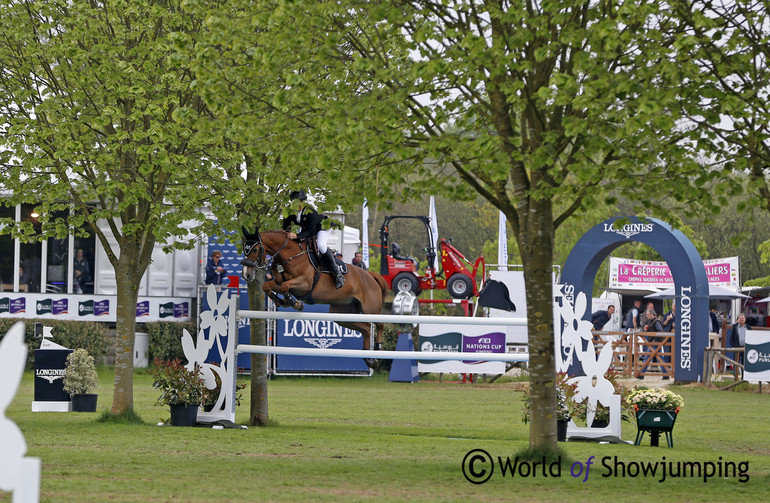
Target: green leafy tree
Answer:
[[727, 43], [525, 103], [88, 96]]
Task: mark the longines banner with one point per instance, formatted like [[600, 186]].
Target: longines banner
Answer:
[[317, 334], [90, 307], [757, 357], [630, 273]]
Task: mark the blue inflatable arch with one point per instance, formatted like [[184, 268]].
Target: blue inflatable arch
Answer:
[[690, 280]]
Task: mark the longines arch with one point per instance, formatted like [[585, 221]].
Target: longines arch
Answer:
[[690, 280]]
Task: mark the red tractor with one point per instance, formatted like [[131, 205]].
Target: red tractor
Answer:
[[400, 272]]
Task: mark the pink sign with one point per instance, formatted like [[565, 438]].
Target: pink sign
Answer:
[[631, 272], [645, 274]]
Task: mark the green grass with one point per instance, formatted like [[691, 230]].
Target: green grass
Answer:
[[337, 439]]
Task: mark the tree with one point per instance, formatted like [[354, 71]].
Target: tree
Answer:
[[88, 96], [726, 45], [525, 103]]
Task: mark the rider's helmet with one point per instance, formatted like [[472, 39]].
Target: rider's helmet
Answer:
[[297, 194]]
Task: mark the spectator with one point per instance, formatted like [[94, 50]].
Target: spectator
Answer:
[[601, 317], [738, 336], [216, 274], [82, 272], [632, 317], [651, 323], [669, 321], [358, 261]]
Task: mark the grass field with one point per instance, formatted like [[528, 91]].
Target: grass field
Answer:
[[337, 439]]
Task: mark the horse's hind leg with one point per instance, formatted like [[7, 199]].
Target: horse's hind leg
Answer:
[[378, 338]]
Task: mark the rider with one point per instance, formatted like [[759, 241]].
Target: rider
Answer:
[[309, 221]]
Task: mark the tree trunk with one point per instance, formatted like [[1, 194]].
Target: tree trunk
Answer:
[[536, 245], [258, 412], [125, 326]]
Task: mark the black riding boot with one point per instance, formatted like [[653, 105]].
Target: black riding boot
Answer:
[[339, 279]]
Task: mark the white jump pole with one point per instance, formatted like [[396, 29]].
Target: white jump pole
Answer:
[[382, 318], [383, 355]]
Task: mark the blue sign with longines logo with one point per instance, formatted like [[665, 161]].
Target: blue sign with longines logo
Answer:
[[317, 334]]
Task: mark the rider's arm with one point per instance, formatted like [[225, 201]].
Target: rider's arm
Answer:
[[288, 221], [312, 224]]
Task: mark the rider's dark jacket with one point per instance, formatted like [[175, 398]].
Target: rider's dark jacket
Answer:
[[309, 223]]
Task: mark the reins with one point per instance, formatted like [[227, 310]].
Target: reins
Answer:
[[261, 263]]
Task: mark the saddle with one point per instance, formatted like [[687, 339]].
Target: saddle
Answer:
[[318, 264]]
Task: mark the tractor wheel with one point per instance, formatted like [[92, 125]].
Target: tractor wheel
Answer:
[[460, 286], [406, 282]]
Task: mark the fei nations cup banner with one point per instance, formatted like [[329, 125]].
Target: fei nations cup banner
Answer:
[[626, 273]]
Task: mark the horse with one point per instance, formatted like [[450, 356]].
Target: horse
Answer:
[[296, 278]]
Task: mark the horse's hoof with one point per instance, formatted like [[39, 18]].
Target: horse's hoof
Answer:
[[378, 346], [370, 362], [299, 306]]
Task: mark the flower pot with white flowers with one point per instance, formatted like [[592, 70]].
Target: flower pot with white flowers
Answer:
[[656, 412], [81, 380]]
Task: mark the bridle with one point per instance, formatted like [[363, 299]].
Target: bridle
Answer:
[[262, 264]]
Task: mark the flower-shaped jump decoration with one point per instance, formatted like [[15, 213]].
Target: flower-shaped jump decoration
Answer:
[[215, 320], [573, 334], [594, 386], [574, 329]]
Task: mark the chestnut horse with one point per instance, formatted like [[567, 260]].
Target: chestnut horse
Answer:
[[297, 279]]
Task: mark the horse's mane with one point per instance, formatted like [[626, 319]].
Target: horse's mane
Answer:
[[276, 231]]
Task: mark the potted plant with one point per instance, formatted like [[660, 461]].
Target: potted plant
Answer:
[[601, 417], [81, 380], [564, 405], [656, 412], [181, 389]]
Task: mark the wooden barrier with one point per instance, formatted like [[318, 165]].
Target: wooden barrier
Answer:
[[639, 354]]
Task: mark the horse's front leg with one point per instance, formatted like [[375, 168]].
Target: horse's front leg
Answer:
[[293, 301], [276, 299]]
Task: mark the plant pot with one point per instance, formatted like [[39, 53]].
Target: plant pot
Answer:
[[184, 415], [84, 403], [655, 422], [561, 430]]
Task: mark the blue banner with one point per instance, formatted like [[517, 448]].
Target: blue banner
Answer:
[[317, 334]]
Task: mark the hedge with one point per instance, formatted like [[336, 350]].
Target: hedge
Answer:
[[89, 335], [166, 338]]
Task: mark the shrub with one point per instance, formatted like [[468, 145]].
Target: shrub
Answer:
[[81, 377], [166, 338], [177, 385]]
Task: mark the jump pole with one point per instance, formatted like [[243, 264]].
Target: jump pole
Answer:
[[383, 355], [382, 318]]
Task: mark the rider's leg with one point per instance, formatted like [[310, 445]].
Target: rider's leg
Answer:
[[321, 239]]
